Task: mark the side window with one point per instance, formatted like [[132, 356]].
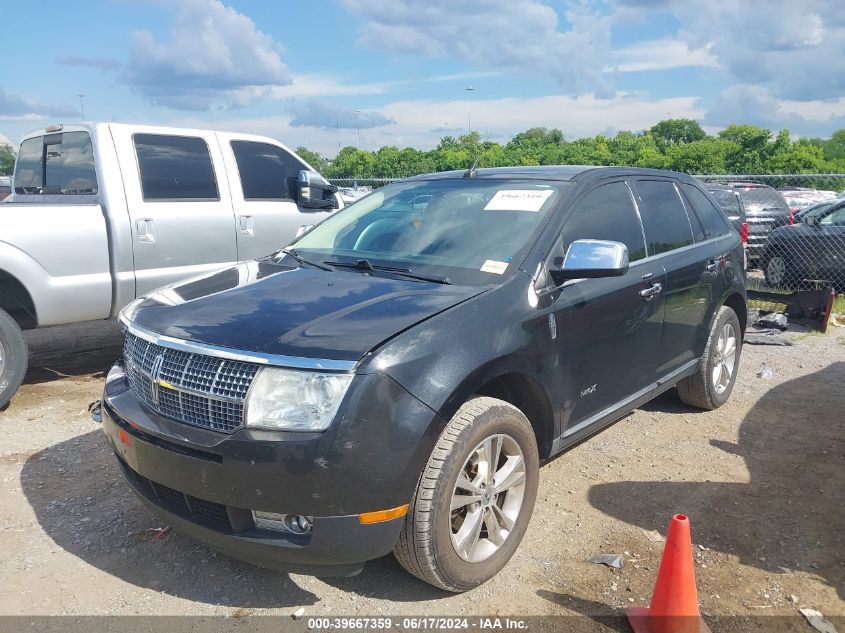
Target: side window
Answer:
[[56, 164], [713, 220], [607, 213], [837, 218], [667, 226], [175, 168], [265, 170]]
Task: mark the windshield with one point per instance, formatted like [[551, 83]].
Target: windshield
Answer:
[[472, 231]]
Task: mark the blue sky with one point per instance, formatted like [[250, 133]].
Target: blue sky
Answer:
[[298, 71]]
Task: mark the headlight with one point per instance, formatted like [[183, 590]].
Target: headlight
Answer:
[[291, 400]]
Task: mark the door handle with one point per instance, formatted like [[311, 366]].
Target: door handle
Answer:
[[712, 265], [246, 224], [146, 230], [649, 293]]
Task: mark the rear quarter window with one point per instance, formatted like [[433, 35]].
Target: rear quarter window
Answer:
[[175, 168], [712, 219], [667, 225]]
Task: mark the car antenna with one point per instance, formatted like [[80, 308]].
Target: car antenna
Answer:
[[472, 171]]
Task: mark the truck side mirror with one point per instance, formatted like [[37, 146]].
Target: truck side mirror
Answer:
[[313, 192]]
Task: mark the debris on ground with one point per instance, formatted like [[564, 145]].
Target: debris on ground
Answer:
[[611, 560], [765, 373], [654, 536], [159, 534], [816, 620], [301, 611], [773, 319], [772, 337]]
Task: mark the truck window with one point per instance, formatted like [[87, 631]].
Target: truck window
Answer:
[[606, 213], [265, 170], [667, 226], [175, 168], [56, 164]]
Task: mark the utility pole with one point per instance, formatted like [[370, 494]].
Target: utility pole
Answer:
[[82, 105], [469, 90], [358, 127], [337, 125]]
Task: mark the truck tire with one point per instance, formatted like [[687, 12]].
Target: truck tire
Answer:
[[458, 540], [13, 358], [712, 383]]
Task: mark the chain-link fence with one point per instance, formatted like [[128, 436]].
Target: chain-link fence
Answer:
[[793, 224]]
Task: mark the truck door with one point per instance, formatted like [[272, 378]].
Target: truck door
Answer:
[[179, 209], [262, 178]]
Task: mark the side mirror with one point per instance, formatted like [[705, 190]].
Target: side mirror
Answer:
[[591, 259], [313, 192]]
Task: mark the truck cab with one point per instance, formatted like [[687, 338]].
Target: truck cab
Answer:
[[105, 212]]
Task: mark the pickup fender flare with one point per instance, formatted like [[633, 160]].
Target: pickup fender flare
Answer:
[[16, 267]]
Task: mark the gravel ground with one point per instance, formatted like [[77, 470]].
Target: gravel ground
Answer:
[[761, 479]]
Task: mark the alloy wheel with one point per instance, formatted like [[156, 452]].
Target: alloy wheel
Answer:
[[487, 498], [776, 271], [724, 358]]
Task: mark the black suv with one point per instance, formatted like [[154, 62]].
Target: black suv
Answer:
[[763, 208], [393, 379]]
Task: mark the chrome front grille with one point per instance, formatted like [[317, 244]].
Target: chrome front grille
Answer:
[[193, 388]]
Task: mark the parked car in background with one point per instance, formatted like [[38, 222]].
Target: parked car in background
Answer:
[[105, 212], [392, 379], [765, 210], [799, 198], [812, 250], [732, 206], [807, 212], [5, 187]]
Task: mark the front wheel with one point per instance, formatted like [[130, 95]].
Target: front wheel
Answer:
[[13, 358], [777, 272], [474, 499], [712, 383]]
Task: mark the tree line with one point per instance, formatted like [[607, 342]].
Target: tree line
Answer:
[[677, 144]]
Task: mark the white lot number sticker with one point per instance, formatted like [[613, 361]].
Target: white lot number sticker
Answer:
[[518, 200], [493, 266]]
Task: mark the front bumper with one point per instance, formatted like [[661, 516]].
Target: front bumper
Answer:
[[205, 484]]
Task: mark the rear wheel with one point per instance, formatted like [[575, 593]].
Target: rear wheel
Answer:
[[712, 383], [474, 499], [13, 358]]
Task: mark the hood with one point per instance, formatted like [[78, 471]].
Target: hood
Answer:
[[273, 309]]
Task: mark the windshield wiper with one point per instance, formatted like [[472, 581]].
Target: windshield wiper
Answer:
[[365, 265], [302, 260]]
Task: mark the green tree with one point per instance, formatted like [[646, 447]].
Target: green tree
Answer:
[[672, 131], [7, 159], [312, 158], [751, 151]]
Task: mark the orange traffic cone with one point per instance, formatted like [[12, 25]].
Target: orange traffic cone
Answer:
[[674, 603]]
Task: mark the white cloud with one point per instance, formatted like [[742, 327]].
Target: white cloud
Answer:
[[15, 108], [796, 50], [212, 57], [757, 106], [513, 35], [420, 123], [660, 54]]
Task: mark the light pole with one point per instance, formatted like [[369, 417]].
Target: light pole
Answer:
[[469, 90], [82, 105], [358, 128]]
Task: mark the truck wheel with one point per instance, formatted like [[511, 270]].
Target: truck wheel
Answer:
[[778, 272], [474, 499], [712, 383], [13, 358]]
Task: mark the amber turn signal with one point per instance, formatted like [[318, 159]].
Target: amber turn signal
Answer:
[[383, 515]]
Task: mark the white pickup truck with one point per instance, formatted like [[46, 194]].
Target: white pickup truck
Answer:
[[105, 212]]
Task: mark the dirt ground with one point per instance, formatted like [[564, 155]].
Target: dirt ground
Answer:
[[762, 480]]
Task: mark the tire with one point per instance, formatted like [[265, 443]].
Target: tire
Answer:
[[13, 358], [778, 271], [425, 547], [704, 389]]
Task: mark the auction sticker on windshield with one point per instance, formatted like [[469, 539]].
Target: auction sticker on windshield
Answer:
[[518, 200], [493, 266]]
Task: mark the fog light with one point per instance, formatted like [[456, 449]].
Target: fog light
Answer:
[[295, 523]]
